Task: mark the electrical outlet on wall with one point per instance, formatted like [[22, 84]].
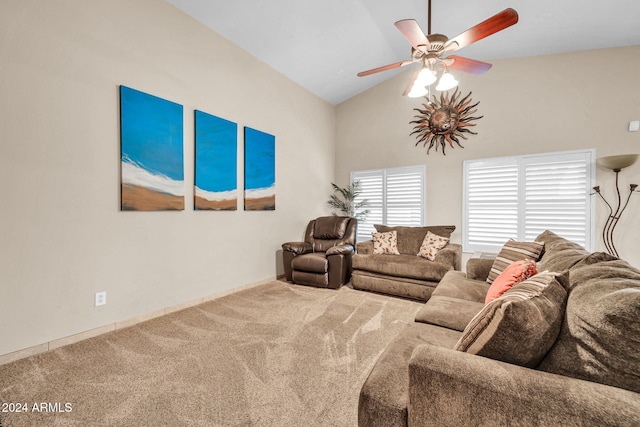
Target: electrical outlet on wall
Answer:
[[101, 298]]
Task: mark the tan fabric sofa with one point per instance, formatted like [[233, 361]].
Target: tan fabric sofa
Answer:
[[406, 275], [589, 377]]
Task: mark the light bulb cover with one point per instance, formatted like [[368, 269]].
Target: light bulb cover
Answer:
[[417, 90], [447, 81], [426, 77]]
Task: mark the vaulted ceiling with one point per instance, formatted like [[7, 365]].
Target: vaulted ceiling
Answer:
[[322, 44]]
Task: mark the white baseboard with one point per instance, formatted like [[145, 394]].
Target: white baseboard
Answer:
[[61, 342]]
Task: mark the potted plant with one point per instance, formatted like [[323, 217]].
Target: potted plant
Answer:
[[344, 200]]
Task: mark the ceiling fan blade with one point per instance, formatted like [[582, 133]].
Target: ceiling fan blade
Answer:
[[496, 23], [413, 78], [468, 65], [414, 34], [385, 68]]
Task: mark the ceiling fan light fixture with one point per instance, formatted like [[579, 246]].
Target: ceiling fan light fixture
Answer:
[[447, 81]]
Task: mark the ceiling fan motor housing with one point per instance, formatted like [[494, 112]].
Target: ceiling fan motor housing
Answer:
[[436, 44]]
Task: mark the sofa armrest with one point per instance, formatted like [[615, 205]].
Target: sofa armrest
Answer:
[[365, 248], [452, 388], [340, 250], [298, 248], [479, 268], [450, 255]]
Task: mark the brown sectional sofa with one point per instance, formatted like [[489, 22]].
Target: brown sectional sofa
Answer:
[[589, 377], [405, 275]]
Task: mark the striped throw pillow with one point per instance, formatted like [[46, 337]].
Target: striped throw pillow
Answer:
[[521, 326], [514, 251]]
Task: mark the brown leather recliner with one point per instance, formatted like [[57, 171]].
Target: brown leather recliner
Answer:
[[324, 258]]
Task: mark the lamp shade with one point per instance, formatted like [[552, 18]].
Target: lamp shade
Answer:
[[617, 162]]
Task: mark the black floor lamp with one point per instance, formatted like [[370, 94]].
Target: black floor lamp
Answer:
[[615, 163]]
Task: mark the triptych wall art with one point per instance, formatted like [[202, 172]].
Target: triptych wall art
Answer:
[[152, 160]]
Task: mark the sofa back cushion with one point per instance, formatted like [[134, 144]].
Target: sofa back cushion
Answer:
[[520, 326], [559, 253], [600, 337], [410, 238]]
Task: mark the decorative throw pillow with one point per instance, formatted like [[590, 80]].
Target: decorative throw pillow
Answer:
[[431, 244], [522, 325], [514, 251], [385, 243], [516, 272]]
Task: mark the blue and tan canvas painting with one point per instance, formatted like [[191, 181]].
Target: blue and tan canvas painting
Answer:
[[216, 180], [152, 152], [259, 170]]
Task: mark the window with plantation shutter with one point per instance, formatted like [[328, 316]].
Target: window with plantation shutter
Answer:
[[395, 197], [520, 197]]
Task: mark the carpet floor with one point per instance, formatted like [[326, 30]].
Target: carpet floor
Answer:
[[275, 355]]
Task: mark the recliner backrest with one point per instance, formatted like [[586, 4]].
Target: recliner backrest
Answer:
[[328, 231]]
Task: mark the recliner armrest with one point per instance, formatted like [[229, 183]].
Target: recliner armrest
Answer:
[[297, 248], [340, 250], [452, 388]]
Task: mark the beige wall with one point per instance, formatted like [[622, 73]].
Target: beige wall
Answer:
[[62, 235], [530, 105]]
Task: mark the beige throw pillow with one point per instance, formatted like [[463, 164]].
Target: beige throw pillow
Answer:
[[431, 244], [522, 325], [385, 243]]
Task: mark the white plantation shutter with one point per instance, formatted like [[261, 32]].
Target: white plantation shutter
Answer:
[[372, 185], [520, 197], [405, 201], [491, 203], [395, 196], [556, 197]]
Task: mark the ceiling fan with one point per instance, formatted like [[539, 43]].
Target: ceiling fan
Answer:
[[431, 51]]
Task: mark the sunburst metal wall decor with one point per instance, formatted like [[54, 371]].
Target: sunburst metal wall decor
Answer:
[[445, 120]]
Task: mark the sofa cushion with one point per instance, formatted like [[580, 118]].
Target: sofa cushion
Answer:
[[516, 272], [385, 243], [431, 245], [455, 284], [454, 302], [410, 238], [448, 312], [514, 251], [330, 227], [559, 253], [409, 266], [399, 286], [520, 326], [599, 340]]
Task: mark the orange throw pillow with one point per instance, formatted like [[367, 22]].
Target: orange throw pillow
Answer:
[[515, 272]]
